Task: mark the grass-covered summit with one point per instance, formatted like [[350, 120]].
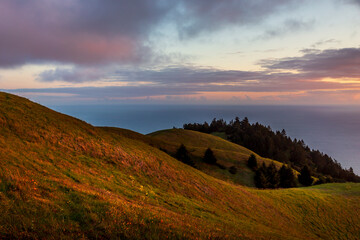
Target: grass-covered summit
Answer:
[[61, 178]]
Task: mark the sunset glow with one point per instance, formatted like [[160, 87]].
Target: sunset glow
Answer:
[[261, 52]]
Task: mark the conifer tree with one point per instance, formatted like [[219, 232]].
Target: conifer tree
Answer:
[[287, 177], [305, 176], [209, 157], [252, 162], [273, 176], [182, 154], [261, 180], [233, 170]]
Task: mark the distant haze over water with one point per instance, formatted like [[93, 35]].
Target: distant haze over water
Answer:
[[334, 130]]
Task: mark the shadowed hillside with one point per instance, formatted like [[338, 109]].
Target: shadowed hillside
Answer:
[[61, 178]]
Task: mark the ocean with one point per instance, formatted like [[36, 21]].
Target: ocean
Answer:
[[334, 130]]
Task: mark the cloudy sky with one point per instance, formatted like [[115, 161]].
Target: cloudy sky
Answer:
[[181, 51]]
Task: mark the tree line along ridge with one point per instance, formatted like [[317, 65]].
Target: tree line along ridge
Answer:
[[278, 146]]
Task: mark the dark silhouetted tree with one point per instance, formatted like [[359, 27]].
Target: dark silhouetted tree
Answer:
[[273, 176], [182, 154], [305, 176], [260, 178], [287, 177], [233, 170], [209, 157], [252, 162]]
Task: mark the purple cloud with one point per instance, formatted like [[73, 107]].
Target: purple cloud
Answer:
[[333, 63], [311, 69], [76, 31], [88, 32], [74, 75]]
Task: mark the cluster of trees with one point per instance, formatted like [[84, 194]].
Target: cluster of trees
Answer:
[[278, 146], [182, 154], [270, 177]]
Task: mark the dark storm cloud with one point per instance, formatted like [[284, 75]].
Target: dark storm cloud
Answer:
[[89, 32]]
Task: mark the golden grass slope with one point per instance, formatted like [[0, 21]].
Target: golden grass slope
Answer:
[[61, 178], [227, 153]]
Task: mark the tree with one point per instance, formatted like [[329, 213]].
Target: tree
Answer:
[[260, 178], [182, 154], [273, 176], [321, 180], [233, 170], [305, 176], [209, 157], [267, 177], [287, 177], [252, 162]]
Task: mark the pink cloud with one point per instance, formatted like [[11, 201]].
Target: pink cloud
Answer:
[[66, 31]]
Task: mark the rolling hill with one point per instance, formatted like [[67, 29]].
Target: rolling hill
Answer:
[[61, 178], [227, 153]]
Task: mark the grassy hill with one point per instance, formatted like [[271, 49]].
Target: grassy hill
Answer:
[[61, 178], [227, 153]]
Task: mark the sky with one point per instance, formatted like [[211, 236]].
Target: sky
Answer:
[[279, 52]]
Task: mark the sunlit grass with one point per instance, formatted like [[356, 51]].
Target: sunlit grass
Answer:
[[227, 153], [61, 178]]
